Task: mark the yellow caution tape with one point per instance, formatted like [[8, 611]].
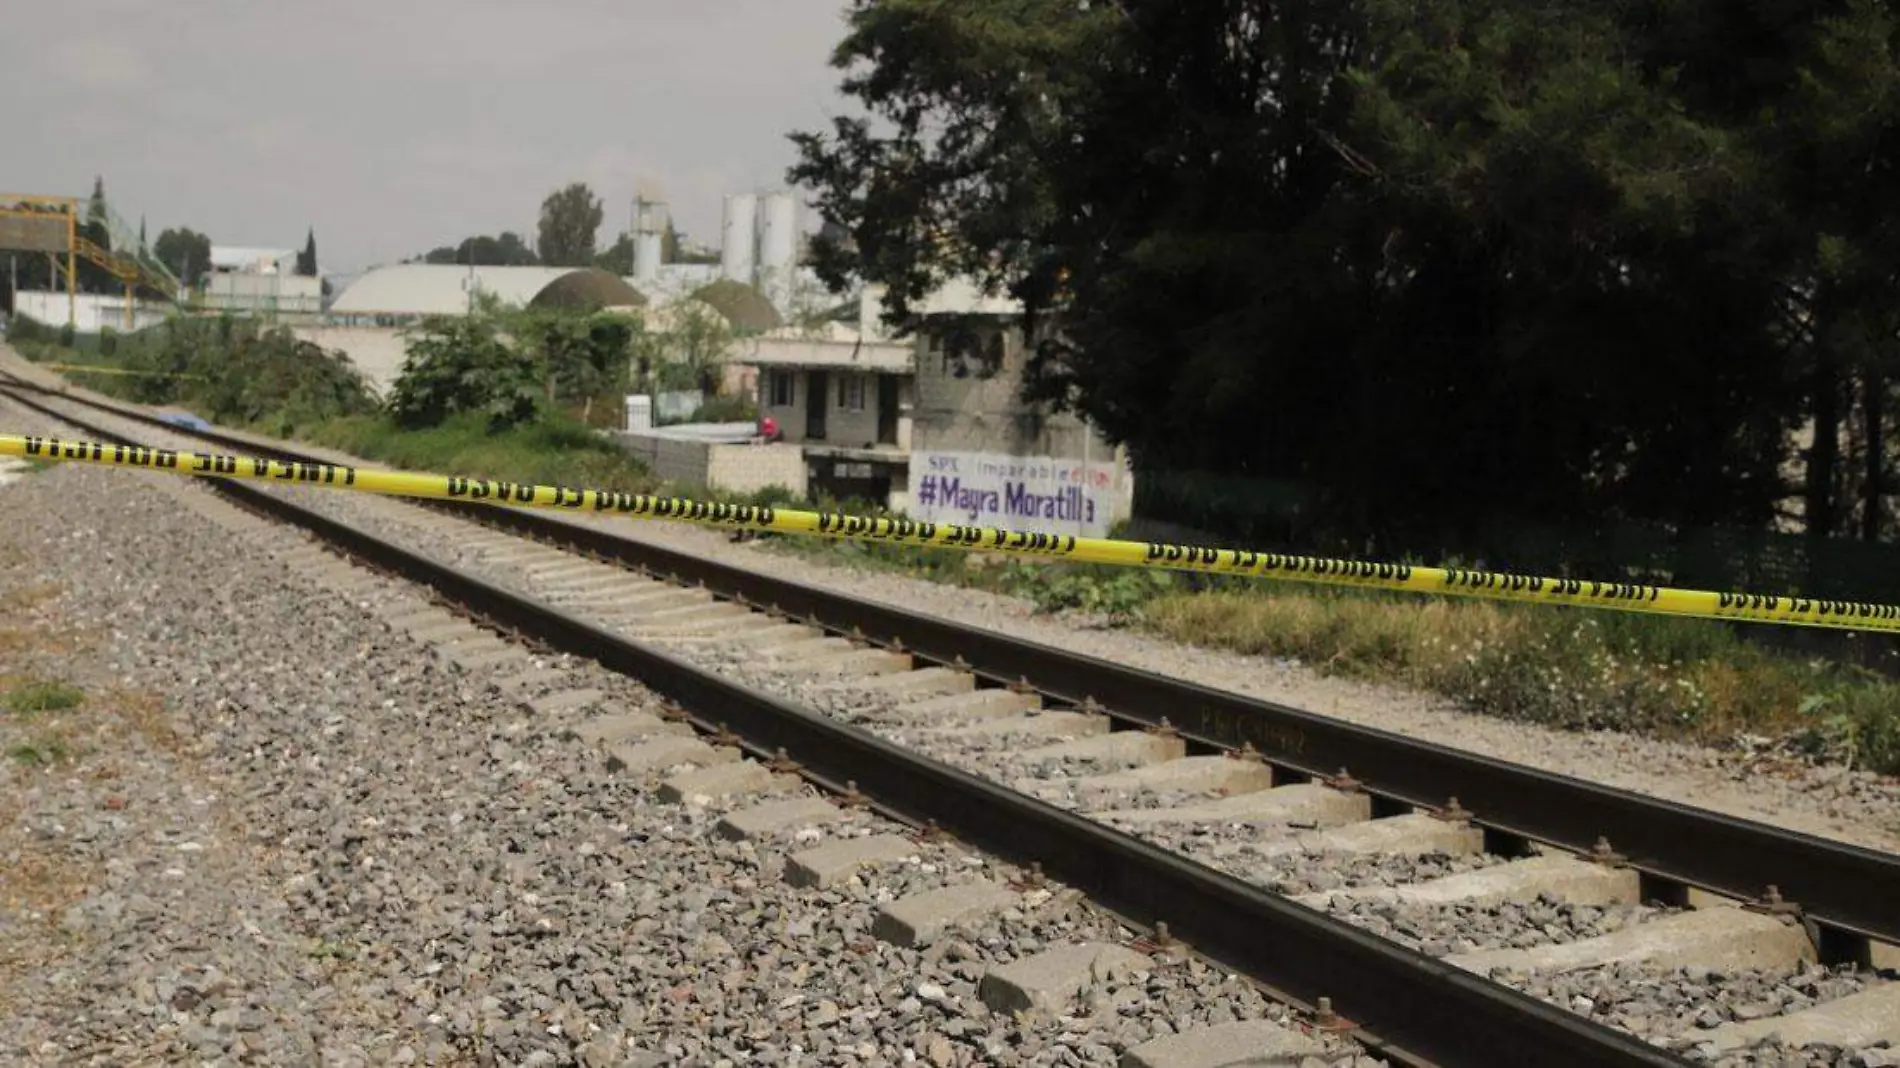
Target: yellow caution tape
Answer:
[[1492, 585]]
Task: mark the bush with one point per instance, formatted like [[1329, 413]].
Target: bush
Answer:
[[25, 328], [66, 336], [461, 365], [726, 410]]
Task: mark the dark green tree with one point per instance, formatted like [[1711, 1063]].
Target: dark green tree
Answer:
[[185, 252], [618, 257], [307, 259], [97, 229], [460, 364], [504, 250], [570, 217], [1447, 267]]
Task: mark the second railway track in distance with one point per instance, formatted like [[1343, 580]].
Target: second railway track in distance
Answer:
[[1530, 877]]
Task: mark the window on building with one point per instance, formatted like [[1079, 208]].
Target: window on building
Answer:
[[851, 393], [780, 385]]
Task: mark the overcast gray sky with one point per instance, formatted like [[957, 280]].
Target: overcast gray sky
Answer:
[[393, 126]]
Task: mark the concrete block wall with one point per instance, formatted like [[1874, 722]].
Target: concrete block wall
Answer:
[[90, 312], [735, 468], [750, 468], [790, 416], [673, 459], [974, 414], [844, 426]]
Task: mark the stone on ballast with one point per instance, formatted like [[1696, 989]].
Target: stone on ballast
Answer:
[[922, 918], [1048, 980], [833, 862]]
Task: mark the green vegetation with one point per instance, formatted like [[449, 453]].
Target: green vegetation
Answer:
[[547, 450], [461, 366], [28, 701], [570, 217], [43, 751], [34, 698], [1573, 669], [229, 371], [1446, 266]]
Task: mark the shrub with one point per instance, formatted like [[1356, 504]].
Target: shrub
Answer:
[[461, 365]]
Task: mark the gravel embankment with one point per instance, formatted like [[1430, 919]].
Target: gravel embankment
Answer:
[[1667, 1009], [1829, 801], [273, 832], [1664, 1017]]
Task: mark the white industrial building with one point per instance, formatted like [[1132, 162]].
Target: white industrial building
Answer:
[[760, 246], [260, 282], [389, 296], [367, 320]]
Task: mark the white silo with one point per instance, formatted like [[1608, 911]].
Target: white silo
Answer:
[[649, 224], [735, 250], [778, 249]]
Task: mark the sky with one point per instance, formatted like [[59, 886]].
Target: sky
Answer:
[[395, 126]]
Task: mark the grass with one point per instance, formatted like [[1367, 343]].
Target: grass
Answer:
[[1568, 668], [45, 750], [34, 698], [554, 450]]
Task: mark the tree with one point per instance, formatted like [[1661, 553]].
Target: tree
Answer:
[[185, 252], [669, 243], [97, 229], [570, 218], [307, 259], [618, 257], [1383, 250], [460, 364], [687, 353], [578, 356], [504, 250]]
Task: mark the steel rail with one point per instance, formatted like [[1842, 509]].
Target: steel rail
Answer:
[[1418, 1009], [1845, 893]]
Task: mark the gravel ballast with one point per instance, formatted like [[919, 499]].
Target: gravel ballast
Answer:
[[1829, 801], [279, 832], [1436, 930]]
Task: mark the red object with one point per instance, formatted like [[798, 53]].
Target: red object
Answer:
[[768, 428]]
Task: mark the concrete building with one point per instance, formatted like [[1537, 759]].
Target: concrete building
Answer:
[[261, 282], [933, 425]]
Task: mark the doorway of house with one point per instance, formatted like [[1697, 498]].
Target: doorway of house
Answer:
[[817, 403], [887, 386]]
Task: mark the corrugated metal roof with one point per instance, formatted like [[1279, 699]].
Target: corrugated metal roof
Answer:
[[442, 289]]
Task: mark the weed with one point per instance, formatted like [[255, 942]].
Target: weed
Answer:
[[550, 450], [37, 697], [43, 751]]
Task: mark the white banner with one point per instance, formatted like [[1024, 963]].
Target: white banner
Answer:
[[1035, 493]]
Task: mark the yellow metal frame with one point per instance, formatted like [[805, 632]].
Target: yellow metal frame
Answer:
[[130, 272]]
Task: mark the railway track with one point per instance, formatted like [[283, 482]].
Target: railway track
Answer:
[[1358, 846]]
